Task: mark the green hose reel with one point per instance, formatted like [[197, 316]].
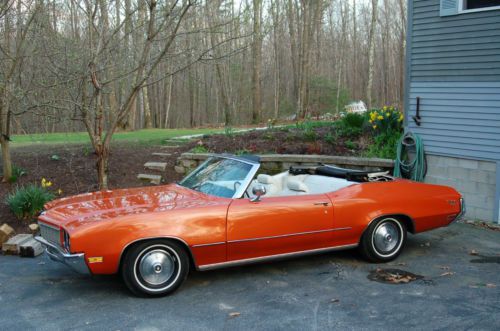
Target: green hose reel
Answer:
[[410, 161]]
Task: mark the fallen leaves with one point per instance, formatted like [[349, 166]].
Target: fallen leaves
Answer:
[[484, 225], [395, 276]]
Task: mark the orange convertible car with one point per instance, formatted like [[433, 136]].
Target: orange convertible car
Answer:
[[220, 215]]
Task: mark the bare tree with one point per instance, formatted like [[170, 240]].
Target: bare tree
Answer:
[[13, 51], [371, 53], [257, 62]]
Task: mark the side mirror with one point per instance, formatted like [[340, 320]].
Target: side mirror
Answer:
[[258, 191]]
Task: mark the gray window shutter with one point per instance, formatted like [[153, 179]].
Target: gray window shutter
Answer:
[[448, 7]]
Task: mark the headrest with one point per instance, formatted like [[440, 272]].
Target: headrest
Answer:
[[265, 179], [295, 185]]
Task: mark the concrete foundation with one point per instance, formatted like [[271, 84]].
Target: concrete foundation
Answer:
[[476, 180]]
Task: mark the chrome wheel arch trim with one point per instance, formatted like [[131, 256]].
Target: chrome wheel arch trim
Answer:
[[182, 241], [274, 257], [393, 215]]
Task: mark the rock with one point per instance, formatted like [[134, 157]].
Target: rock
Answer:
[[188, 163], [179, 169], [34, 228], [153, 179], [31, 248], [156, 165], [12, 246], [5, 232]]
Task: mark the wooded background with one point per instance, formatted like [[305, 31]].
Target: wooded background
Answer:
[[229, 62]]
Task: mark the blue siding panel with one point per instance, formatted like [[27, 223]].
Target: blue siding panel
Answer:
[[451, 48], [453, 66], [458, 119]]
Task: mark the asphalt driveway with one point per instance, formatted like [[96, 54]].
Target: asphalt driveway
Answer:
[[331, 291]]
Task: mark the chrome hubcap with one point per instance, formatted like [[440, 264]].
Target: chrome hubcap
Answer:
[[386, 237], [156, 267]]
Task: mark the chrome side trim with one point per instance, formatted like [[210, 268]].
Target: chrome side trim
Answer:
[[289, 235], [56, 253], [273, 257], [209, 244]]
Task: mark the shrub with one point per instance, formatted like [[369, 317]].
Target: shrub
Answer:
[[330, 138], [386, 119], [228, 131], [27, 201], [350, 125], [385, 145], [199, 149], [350, 144], [16, 173], [308, 129]]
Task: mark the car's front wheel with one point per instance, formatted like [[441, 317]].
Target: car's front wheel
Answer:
[[383, 240], [155, 268]]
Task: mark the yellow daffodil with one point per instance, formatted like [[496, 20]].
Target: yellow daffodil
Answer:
[[387, 114], [380, 117], [385, 107], [59, 192], [374, 126], [371, 121]]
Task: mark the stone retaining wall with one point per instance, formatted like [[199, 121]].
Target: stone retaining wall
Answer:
[[274, 163]]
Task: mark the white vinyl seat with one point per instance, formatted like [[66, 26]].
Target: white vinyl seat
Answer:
[[295, 187], [321, 184], [284, 184]]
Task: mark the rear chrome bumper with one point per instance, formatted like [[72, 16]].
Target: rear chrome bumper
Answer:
[[56, 253], [462, 210]]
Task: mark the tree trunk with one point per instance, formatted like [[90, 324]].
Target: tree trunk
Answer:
[[168, 96], [102, 167], [291, 9], [257, 63], [6, 159], [148, 120], [371, 54]]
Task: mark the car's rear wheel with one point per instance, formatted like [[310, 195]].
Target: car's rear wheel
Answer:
[[383, 240], [155, 267]]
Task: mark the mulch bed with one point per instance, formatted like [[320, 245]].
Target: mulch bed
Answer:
[[284, 141]]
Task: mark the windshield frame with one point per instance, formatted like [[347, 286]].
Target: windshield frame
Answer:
[[245, 183]]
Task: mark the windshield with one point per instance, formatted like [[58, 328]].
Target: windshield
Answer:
[[222, 177]]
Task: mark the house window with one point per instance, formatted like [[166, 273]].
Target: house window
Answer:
[[479, 5]]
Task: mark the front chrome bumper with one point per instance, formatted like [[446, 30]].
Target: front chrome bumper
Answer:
[[56, 253]]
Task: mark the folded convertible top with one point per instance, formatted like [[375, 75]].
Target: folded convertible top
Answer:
[[330, 171]]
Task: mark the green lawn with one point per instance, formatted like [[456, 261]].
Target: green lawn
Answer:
[[140, 136]]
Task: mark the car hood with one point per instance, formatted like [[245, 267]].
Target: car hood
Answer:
[[82, 209]]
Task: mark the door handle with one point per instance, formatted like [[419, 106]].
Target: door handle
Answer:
[[321, 204]]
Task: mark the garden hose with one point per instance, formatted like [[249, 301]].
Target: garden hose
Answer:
[[410, 160]]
